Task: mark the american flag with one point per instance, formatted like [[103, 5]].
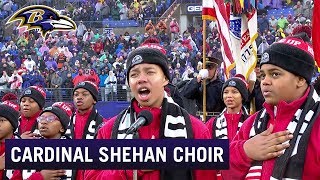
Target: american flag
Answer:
[[216, 10]]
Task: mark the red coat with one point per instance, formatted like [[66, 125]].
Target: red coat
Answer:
[[232, 124], [240, 163], [146, 132]]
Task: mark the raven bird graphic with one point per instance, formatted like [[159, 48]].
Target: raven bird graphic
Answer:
[[43, 18]]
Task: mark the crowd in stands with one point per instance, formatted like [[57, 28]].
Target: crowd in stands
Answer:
[[272, 29], [95, 11]]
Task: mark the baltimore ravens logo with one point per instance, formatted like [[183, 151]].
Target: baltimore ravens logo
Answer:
[[232, 83], [43, 18], [136, 60]]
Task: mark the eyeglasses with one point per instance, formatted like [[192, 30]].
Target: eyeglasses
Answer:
[[47, 118]]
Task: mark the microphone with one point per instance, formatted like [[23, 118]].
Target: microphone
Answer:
[[144, 119]]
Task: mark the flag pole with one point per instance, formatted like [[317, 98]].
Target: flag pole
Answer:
[[204, 99]]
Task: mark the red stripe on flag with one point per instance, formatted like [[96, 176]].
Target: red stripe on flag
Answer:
[[315, 31], [209, 11]]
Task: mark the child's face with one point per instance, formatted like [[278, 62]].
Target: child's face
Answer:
[[29, 107], [50, 126], [83, 100], [6, 130]]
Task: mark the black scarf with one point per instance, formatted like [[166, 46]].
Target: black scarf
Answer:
[[219, 128], [291, 163], [178, 126], [91, 127]]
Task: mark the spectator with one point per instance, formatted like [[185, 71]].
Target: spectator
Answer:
[[149, 28], [263, 23], [56, 83], [81, 28], [29, 63], [174, 28], [161, 27], [282, 22], [93, 77], [102, 77], [79, 78], [307, 10], [123, 12], [15, 81], [4, 80], [273, 22], [297, 9], [263, 46], [111, 86], [270, 38], [88, 36]]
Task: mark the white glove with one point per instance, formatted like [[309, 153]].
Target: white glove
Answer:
[[204, 73]]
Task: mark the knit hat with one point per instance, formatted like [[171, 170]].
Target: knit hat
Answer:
[[239, 83], [150, 53], [62, 111], [10, 111], [293, 54], [90, 86], [36, 93]]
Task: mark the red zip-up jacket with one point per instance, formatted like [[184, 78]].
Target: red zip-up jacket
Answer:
[[200, 131], [232, 124], [240, 162], [27, 124]]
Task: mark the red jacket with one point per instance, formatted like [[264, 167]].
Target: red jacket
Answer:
[[28, 124], [240, 163], [146, 132], [232, 124]]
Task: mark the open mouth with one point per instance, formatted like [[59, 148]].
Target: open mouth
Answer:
[[144, 93]]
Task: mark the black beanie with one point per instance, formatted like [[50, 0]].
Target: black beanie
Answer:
[[10, 111], [36, 93], [293, 54], [90, 86], [149, 54], [62, 111], [239, 84]]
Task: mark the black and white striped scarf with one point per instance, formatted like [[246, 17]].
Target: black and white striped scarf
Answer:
[[175, 123], [91, 127], [220, 130], [289, 165]]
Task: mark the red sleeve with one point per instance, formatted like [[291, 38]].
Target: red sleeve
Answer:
[[16, 175], [239, 161], [200, 131], [209, 125], [36, 176]]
